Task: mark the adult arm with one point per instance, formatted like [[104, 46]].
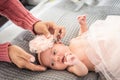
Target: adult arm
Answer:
[[4, 52], [17, 13]]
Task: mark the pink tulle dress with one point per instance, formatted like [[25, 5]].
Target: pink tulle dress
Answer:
[[104, 37]]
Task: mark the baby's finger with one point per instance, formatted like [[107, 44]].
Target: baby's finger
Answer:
[[68, 63], [70, 57]]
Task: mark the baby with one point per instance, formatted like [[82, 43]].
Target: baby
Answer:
[[87, 52]]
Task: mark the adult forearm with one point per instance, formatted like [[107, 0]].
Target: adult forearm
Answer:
[[16, 12], [4, 52]]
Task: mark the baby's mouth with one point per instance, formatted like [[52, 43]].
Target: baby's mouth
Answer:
[[64, 59]]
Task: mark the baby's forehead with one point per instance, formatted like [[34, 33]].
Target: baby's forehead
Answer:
[[52, 49]]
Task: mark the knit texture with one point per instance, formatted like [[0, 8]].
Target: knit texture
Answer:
[[4, 52], [16, 12]]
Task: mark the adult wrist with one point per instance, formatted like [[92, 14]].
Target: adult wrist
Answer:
[[36, 27], [4, 52]]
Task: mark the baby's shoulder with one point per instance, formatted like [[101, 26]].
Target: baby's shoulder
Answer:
[[78, 41]]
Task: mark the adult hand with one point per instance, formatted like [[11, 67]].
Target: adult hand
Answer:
[[22, 59], [48, 28]]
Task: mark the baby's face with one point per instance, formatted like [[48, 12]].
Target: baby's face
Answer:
[[54, 57]]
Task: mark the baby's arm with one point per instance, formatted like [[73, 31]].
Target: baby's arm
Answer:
[[79, 69], [83, 24], [76, 66]]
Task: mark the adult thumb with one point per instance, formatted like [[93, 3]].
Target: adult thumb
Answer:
[[46, 33]]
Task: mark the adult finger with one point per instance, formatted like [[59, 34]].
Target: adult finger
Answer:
[[34, 67], [51, 25], [23, 54], [53, 28], [45, 31], [22, 63], [57, 33], [62, 32]]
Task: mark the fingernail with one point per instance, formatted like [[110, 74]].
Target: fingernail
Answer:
[[44, 69], [32, 59]]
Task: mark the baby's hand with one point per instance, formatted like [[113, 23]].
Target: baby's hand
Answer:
[[71, 59], [82, 19]]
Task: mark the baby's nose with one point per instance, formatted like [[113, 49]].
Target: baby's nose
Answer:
[[57, 58]]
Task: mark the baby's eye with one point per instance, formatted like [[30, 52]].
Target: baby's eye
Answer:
[[52, 64]]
